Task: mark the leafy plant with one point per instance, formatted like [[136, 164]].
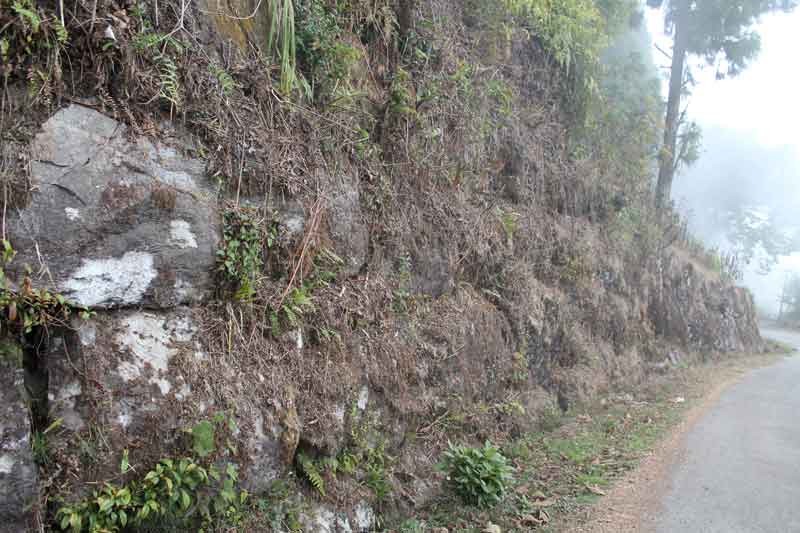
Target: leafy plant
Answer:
[[574, 33], [39, 445], [160, 49], [480, 476], [376, 477], [412, 525], [31, 36], [510, 221], [226, 82], [503, 94], [312, 473], [240, 255], [401, 100], [182, 492], [26, 307], [203, 437]]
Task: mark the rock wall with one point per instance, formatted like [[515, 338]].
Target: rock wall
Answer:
[[462, 273]]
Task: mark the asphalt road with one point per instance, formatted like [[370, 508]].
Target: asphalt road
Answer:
[[740, 471]]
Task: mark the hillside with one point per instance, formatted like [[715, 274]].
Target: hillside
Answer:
[[307, 251]]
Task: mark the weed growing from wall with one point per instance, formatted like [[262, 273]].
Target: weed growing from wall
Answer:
[[183, 493], [239, 257], [26, 308]]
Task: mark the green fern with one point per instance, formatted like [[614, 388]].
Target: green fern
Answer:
[[25, 10], [169, 78], [149, 41], [312, 473], [226, 82]]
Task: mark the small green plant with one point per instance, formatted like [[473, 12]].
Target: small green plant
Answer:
[[480, 476], [295, 305], [26, 307], [312, 473], [29, 33], [376, 477], [412, 525], [550, 419], [39, 444], [401, 99], [239, 257], [510, 221], [161, 49], [226, 82], [278, 508], [181, 492], [503, 94], [203, 438]]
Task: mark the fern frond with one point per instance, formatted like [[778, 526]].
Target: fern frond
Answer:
[[312, 473], [26, 12], [169, 78]]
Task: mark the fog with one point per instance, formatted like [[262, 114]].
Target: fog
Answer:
[[751, 146]]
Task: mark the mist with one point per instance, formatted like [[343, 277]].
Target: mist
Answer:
[[750, 155]]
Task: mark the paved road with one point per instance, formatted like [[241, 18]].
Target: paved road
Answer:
[[741, 469]]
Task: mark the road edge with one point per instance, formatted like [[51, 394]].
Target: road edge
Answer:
[[634, 501]]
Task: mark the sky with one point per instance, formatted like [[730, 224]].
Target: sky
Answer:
[[751, 141]]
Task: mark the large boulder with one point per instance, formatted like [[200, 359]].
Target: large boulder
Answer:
[[18, 472], [112, 221]]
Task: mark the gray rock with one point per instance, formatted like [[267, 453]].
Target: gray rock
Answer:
[[115, 222], [129, 356], [348, 229], [139, 377], [18, 472]]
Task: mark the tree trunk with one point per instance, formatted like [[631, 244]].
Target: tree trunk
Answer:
[[666, 170]]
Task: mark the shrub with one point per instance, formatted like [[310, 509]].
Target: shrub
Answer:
[[480, 476]]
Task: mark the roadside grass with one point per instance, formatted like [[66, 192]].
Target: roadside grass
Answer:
[[564, 471], [566, 468], [781, 348]]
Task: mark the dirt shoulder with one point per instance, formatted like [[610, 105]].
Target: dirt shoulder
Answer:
[[631, 502]]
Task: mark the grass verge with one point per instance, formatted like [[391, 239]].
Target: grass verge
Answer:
[[563, 473]]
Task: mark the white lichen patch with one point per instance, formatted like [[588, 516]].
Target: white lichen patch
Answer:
[[164, 386], [185, 290], [145, 336], [124, 419], [87, 333], [6, 464], [325, 520], [338, 415], [184, 392], [363, 398], [149, 338], [343, 524], [180, 234], [365, 516], [72, 213], [111, 281]]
